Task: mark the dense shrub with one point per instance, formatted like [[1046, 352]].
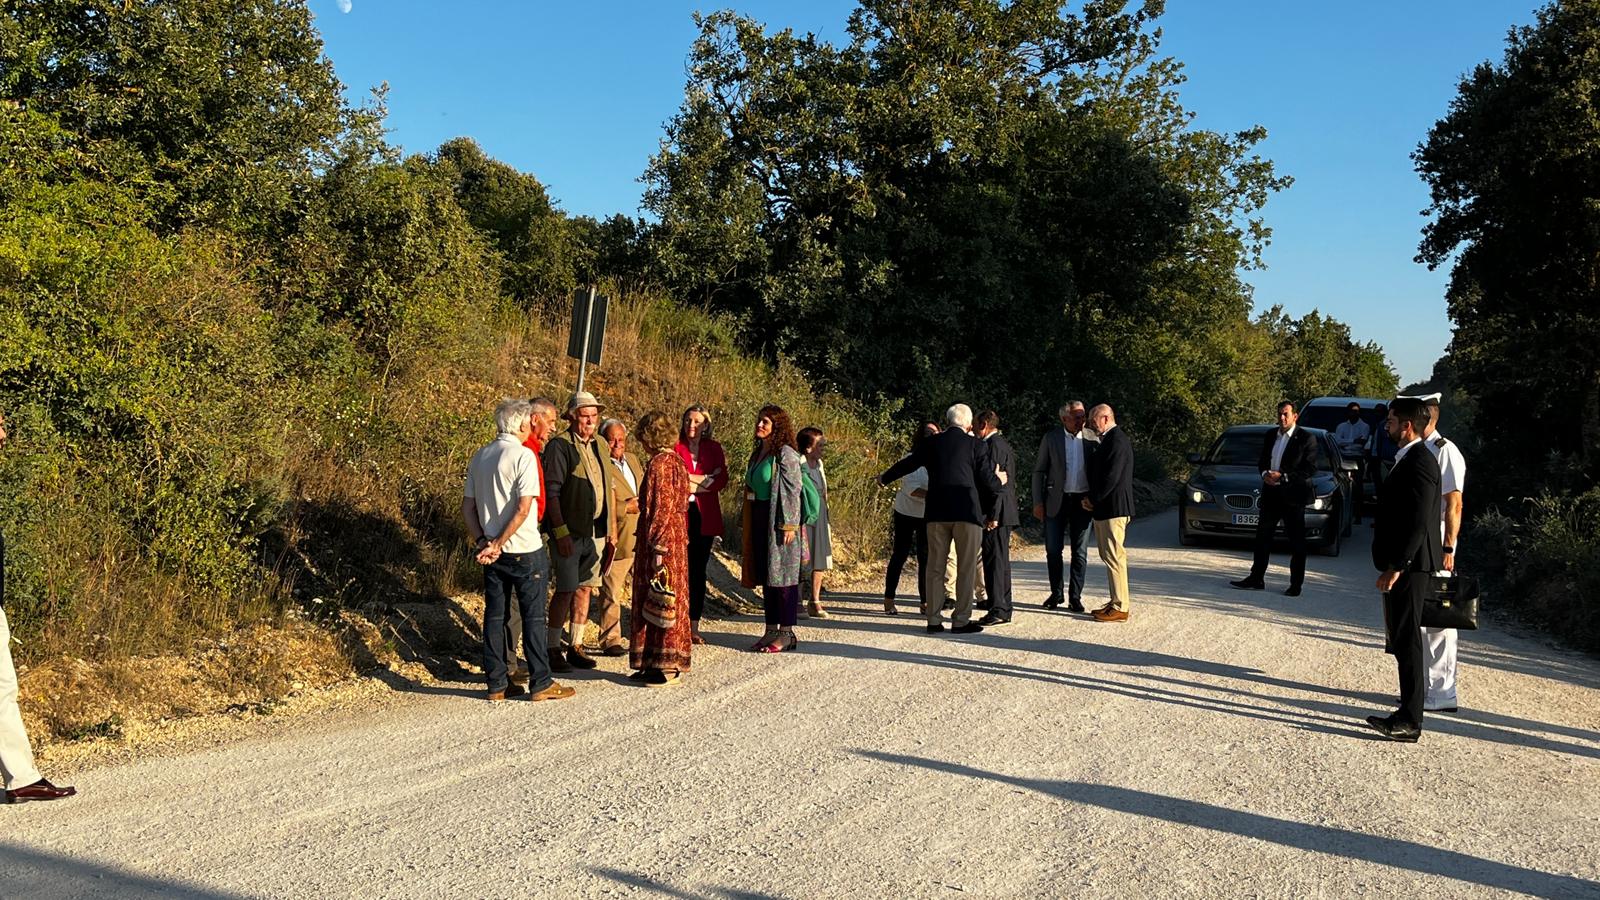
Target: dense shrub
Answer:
[[1546, 565]]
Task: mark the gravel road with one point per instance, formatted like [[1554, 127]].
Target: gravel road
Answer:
[[1213, 746]]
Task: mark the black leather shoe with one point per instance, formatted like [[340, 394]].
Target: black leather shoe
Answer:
[[580, 659], [1249, 584], [969, 628], [39, 790], [558, 662], [993, 621], [1052, 603], [983, 605], [1076, 607], [1394, 729], [616, 650], [1292, 591], [936, 628]]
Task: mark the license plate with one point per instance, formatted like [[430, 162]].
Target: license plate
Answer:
[[1246, 519]]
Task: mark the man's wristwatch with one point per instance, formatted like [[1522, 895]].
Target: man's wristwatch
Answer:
[[1448, 549]]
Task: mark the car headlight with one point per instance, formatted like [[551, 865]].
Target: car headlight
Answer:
[[1321, 503], [1198, 496]]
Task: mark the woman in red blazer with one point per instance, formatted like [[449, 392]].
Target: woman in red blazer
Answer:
[[708, 475]]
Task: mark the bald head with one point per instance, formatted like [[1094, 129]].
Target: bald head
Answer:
[[1102, 417]]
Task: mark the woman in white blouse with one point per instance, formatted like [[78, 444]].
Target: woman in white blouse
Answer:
[[908, 527]]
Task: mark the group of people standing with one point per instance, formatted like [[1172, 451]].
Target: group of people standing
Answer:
[[958, 492], [1417, 529], [579, 508]]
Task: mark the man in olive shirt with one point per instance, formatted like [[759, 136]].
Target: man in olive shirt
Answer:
[[578, 516]]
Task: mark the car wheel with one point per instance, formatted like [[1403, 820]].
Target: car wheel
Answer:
[[1330, 547], [1185, 539]]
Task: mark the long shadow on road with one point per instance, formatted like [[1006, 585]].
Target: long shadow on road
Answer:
[[1399, 854], [40, 875]]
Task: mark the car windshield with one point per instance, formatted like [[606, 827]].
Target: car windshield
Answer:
[[1243, 448], [1328, 417]]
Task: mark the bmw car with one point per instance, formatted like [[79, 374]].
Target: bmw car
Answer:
[[1222, 496]]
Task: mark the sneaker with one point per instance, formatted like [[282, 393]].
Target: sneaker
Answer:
[[512, 689], [556, 691]]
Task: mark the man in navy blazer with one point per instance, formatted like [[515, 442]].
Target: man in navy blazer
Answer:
[[997, 526], [962, 485], [1288, 462], [1406, 549], [1110, 500]]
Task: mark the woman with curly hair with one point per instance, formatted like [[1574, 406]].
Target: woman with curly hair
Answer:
[[659, 644], [774, 542]]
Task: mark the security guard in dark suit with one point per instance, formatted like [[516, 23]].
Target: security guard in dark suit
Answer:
[[1406, 551]]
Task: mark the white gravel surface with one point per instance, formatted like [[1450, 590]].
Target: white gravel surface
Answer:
[[1213, 746]]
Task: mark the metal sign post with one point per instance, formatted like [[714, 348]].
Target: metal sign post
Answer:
[[586, 344]]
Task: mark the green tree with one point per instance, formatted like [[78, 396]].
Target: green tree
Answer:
[[230, 104], [1516, 205], [859, 208], [516, 213]]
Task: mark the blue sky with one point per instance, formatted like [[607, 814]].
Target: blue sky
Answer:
[[577, 95]]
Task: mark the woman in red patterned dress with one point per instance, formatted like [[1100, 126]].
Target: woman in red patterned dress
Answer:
[[660, 655]]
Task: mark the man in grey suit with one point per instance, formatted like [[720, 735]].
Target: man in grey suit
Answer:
[[1060, 482]]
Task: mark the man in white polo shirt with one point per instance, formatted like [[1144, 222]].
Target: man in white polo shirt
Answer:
[[1441, 642], [497, 503]]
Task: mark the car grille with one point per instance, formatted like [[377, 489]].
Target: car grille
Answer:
[[1239, 501]]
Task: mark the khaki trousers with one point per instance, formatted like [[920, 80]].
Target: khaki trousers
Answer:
[[967, 538], [1108, 534], [16, 759], [614, 590]]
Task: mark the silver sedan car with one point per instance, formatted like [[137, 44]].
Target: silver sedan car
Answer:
[[1222, 496]]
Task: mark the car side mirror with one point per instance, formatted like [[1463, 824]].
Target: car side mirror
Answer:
[[1349, 465], [1195, 459]]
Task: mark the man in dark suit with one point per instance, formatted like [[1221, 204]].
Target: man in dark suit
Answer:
[[1002, 518], [962, 482], [1060, 482], [1288, 462], [1406, 550], [1110, 500]]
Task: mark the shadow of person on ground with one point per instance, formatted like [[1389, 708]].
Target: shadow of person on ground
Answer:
[[645, 882], [39, 875], [1398, 854]]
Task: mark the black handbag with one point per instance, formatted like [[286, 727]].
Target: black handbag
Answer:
[[1451, 602]]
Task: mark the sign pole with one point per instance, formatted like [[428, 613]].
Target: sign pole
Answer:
[[588, 321]]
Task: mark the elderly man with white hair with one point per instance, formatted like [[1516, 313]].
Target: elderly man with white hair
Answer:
[[498, 504], [962, 484]]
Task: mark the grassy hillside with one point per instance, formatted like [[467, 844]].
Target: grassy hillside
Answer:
[[360, 563]]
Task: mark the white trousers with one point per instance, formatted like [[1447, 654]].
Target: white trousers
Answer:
[[1440, 646], [16, 759]]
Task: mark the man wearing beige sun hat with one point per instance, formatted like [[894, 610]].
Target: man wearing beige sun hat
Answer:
[[578, 516]]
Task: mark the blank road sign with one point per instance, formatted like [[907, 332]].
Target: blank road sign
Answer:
[[597, 325]]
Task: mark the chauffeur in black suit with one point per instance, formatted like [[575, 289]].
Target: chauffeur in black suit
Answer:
[[1001, 520], [1288, 462], [962, 484], [1406, 550]]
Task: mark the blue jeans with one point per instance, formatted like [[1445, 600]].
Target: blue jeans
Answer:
[[1072, 523], [528, 576]]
